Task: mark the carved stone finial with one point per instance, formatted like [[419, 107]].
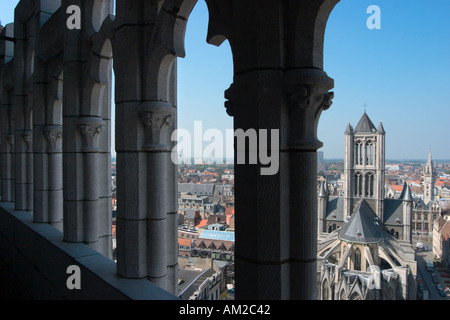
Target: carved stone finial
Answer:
[[156, 116], [90, 129], [53, 135]]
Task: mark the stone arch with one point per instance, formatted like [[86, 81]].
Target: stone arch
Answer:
[[167, 43], [98, 86], [317, 23], [55, 97], [100, 10]]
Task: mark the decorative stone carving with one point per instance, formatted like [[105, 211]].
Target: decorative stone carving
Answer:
[[53, 135], [10, 139], [307, 92], [90, 129], [229, 104], [156, 116], [28, 138]]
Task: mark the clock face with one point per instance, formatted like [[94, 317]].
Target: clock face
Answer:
[[427, 179]]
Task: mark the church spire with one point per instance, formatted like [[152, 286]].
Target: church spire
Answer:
[[430, 159]]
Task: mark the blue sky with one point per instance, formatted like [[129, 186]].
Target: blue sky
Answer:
[[401, 72]]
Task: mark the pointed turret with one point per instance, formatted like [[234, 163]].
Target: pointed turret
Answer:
[[407, 195], [381, 129], [349, 129], [322, 190], [430, 159]]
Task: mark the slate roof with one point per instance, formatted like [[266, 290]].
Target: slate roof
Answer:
[[196, 189], [393, 210], [202, 189], [365, 124], [335, 206], [363, 226], [192, 281]]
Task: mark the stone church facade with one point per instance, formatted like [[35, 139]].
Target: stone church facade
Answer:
[[364, 243]]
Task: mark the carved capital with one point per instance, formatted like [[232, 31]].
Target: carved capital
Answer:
[[28, 138], [229, 102], [53, 135], [307, 95], [157, 117], [90, 129], [10, 139]]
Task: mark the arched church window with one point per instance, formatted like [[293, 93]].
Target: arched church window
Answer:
[[325, 291], [368, 184], [357, 260], [369, 152], [358, 184], [360, 153]]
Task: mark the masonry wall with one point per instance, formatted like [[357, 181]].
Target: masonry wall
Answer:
[[34, 261]]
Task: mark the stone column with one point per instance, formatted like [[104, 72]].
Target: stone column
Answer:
[[28, 138], [54, 194], [157, 118], [7, 168], [90, 129], [279, 85], [307, 96], [86, 130], [145, 69]]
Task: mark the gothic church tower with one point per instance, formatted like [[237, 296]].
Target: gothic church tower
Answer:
[[429, 178], [364, 166]]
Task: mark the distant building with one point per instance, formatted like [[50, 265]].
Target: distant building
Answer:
[[441, 239], [364, 237], [215, 244], [429, 178], [321, 166], [202, 285], [426, 211]]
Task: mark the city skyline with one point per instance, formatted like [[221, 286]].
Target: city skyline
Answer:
[[397, 74]]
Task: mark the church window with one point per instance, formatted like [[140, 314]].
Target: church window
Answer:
[[368, 184], [357, 262], [369, 149], [358, 184], [360, 153], [325, 291]]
